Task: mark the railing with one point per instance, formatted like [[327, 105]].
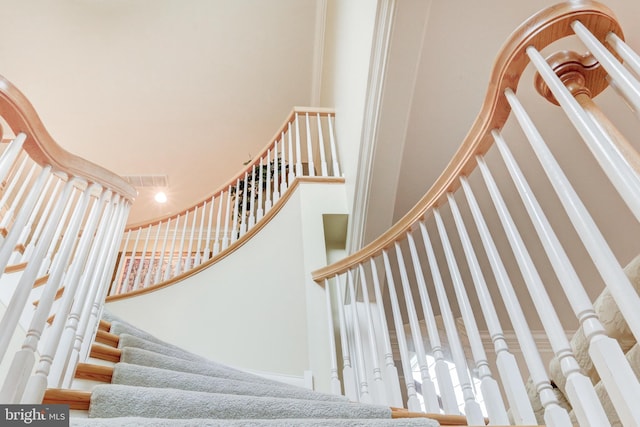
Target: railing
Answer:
[[61, 217], [160, 252], [470, 243]]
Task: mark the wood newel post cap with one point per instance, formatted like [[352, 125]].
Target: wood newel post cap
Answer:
[[581, 74]]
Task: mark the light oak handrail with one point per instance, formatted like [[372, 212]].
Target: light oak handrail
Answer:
[[539, 31], [21, 116]]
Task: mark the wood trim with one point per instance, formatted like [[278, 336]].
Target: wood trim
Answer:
[[235, 245], [20, 115], [15, 267], [104, 352], [20, 248], [89, 371], [313, 111], [107, 338], [445, 420], [539, 31], [41, 281], [56, 297], [76, 399], [104, 325], [4, 231]]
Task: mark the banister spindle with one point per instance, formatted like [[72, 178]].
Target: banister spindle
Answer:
[[580, 391], [309, 147], [163, 252], [495, 406], [291, 174], [189, 257], [261, 184], [236, 212], [334, 379], [620, 76], [283, 165], [207, 247], [334, 152], [443, 376], [243, 217], [23, 361], [364, 394], [392, 382], [167, 272], [38, 381], [217, 239], [628, 55], [614, 277], [21, 218], [143, 257], [348, 375], [117, 283], [226, 232], [471, 407], [378, 384], [181, 260], [275, 191], [127, 277], [198, 258], [613, 163], [36, 214], [299, 171], [268, 184], [25, 284], [413, 404], [252, 198], [44, 214], [323, 160], [554, 414], [24, 184], [10, 155], [53, 246], [154, 259]]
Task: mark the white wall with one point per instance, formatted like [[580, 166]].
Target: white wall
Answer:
[[257, 308]]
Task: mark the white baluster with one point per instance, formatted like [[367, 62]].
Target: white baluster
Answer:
[[413, 404], [167, 273], [67, 353], [490, 391], [46, 262], [207, 246], [554, 415], [253, 198], [334, 152], [378, 383], [348, 376], [44, 214], [117, 284], [623, 79], [10, 155], [234, 223], [392, 382], [217, 239], [189, 257], [35, 214], [613, 163], [283, 165], [299, 171], [276, 173], [180, 260], [243, 218], [628, 55], [126, 282], [163, 252], [225, 236], [621, 289], [269, 182], [37, 384], [24, 213], [364, 394], [261, 183], [312, 171], [443, 375], [471, 408], [24, 184], [323, 160], [25, 284], [292, 174], [23, 361], [198, 258], [154, 258], [336, 387], [143, 257], [514, 387]]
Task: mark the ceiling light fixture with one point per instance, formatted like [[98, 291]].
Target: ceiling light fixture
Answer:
[[160, 197]]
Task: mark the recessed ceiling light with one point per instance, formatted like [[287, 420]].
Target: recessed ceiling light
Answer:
[[160, 197]]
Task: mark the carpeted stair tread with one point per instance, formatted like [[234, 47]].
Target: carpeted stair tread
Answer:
[[112, 401], [156, 422], [145, 376]]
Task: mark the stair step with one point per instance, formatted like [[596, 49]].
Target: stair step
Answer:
[[104, 325], [90, 371], [103, 352], [107, 338], [76, 399], [15, 267]]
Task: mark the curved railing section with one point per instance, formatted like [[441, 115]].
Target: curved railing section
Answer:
[[476, 238], [164, 251], [60, 219]]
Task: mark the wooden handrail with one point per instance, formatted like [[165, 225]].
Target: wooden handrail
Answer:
[[240, 175], [20, 115], [539, 31]]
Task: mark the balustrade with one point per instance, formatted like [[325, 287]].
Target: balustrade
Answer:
[[514, 252]]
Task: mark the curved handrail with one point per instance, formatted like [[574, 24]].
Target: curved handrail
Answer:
[[20, 115], [539, 31]]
